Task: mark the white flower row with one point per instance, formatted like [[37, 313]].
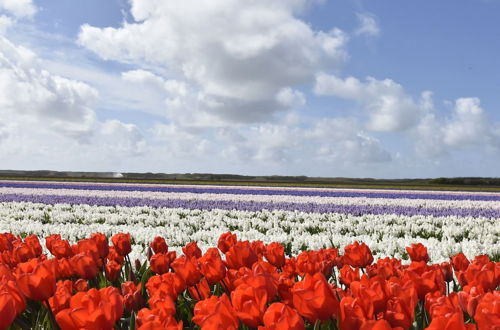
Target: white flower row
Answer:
[[386, 235], [425, 203], [254, 187]]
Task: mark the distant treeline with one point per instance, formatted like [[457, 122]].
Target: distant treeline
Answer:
[[439, 183], [467, 181]]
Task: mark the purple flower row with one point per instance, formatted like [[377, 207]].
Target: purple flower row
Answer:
[[312, 192], [253, 206]]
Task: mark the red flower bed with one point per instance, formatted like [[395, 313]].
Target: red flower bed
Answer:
[[240, 284]]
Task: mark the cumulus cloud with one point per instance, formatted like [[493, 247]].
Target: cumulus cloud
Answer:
[[341, 139], [18, 8], [5, 23], [388, 106], [337, 141], [238, 58], [468, 127], [26, 90], [42, 111], [368, 25]]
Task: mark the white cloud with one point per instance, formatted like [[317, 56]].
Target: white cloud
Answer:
[[290, 98], [43, 112], [388, 106], [5, 23], [19, 8], [336, 141], [467, 128], [121, 138], [236, 57], [26, 90], [341, 139], [368, 25]]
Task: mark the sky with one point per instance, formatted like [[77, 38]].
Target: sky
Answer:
[[382, 89]]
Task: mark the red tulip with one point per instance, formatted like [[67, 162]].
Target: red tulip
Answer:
[[454, 321], [170, 284], [460, 262], [61, 298], [160, 263], [275, 254], [215, 313], [314, 298], [94, 309], [447, 271], [187, 269], [23, 252], [280, 316], [260, 277], [112, 269], [132, 296], [200, 291], [192, 250], [426, 279], [401, 305], [259, 248], [101, 241], [226, 241], [164, 303], [347, 275], [488, 311], [12, 302], [285, 285], [211, 266], [249, 304], [309, 262], [39, 283], [60, 248], [122, 244], [469, 298], [417, 252], [84, 266], [89, 247], [357, 255], [156, 319], [34, 244], [114, 256], [371, 290], [240, 255], [50, 239], [376, 325], [7, 310], [81, 285], [159, 245], [354, 312]]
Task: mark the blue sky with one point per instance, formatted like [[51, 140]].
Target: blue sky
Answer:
[[384, 89]]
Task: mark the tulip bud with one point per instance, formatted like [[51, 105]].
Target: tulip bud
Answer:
[[131, 275], [138, 264]]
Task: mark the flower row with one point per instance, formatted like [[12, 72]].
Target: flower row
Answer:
[[386, 234], [416, 203], [94, 285], [258, 187], [253, 206], [394, 194]]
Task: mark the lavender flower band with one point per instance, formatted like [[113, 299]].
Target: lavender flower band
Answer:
[[254, 206], [243, 191]]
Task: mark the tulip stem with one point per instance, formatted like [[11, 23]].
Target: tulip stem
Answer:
[[317, 324], [198, 292], [51, 316], [224, 286]]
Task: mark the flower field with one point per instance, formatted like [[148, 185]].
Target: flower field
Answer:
[[157, 256]]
